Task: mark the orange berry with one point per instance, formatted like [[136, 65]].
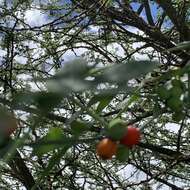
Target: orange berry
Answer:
[[106, 148]]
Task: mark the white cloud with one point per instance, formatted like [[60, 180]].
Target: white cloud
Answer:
[[135, 30], [139, 56], [70, 55], [21, 59], [173, 127], [35, 17], [117, 49], [2, 54]]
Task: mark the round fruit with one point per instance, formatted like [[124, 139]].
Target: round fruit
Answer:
[[8, 125], [106, 148], [132, 137]]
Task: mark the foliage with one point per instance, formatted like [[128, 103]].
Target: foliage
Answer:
[[133, 69]]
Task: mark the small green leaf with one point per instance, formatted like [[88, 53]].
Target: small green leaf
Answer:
[[122, 153], [116, 129], [97, 98], [157, 110], [103, 103], [55, 139], [127, 102], [55, 159], [178, 116], [103, 99]]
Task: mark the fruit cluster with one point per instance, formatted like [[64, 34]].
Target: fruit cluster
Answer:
[[108, 147]]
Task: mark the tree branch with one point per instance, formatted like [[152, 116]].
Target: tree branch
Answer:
[[176, 19], [148, 12]]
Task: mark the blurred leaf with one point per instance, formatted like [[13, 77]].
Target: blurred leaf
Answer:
[[65, 86], [43, 100], [116, 129], [110, 93], [47, 100], [121, 73], [97, 98], [76, 77], [23, 98], [181, 46], [178, 116], [5, 145], [122, 153], [72, 78], [77, 69], [175, 104], [79, 127]]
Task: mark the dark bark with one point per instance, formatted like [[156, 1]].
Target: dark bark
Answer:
[[22, 172]]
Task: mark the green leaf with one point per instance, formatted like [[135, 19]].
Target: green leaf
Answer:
[[122, 153], [43, 100], [178, 116], [116, 129], [176, 83], [47, 100], [53, 140], [103, 103], [175, 104], [97, 98], [127, 102], [163, 93], [79, 127], [103, 99], [55, 159], [176, 92]]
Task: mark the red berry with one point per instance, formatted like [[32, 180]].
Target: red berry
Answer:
[[132, 137]]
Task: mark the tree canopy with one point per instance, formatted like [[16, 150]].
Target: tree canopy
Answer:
[[73, 69]]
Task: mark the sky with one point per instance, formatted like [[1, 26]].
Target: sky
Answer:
[[35, 17]]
